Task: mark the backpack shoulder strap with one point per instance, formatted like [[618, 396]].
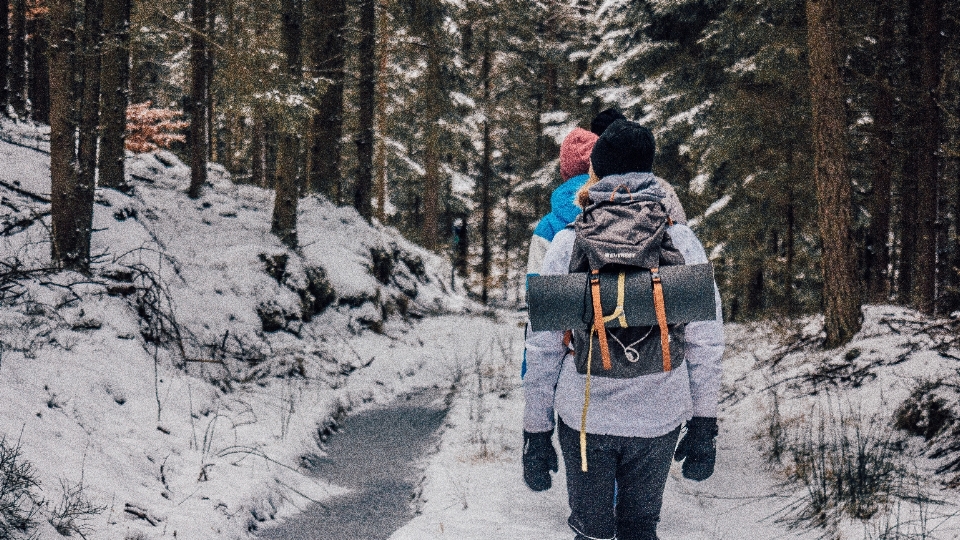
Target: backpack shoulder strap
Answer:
[[660, 308]]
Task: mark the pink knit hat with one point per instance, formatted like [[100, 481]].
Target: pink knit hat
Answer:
[[575, 153]]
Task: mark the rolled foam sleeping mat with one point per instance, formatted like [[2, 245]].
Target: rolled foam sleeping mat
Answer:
[[563, 302]]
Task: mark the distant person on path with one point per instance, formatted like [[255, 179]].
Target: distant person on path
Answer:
[[633, 423]]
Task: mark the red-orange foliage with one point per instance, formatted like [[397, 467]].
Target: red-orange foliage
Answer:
[[37, 9], [149, 129]]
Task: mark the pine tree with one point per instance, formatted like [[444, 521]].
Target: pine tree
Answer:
[[877, 254], [363, 187], [288, 185], [38, 80], [198, 98], [842, 316], [328, 20], [928, 146], [4, 54], [71, 198], [18, 52], [89, 68], [114, 79]]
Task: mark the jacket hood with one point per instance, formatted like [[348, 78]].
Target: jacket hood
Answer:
[[634, 186], [562, 200]]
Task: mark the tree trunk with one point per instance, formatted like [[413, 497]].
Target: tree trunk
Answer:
[[380, 185], [71, 204], [287, 199], [284, 220], [291, 43], [115, 74], [367, 51], [327, 60], [788, 267], [38, 81], [211, 25], [18, 50], [755, 287], [4, 54], [90, 97], [842, 299], [258, 150], [197, 139], [877, 257], [433, 92], [486, 174], [909, 190], [925, 276]]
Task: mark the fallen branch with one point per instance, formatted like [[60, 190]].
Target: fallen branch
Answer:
[[25, 193], [140, 513]]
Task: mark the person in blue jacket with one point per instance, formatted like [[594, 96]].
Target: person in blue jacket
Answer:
[[574, 164]]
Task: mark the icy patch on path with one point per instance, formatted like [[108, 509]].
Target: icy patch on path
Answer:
[[375, 456]]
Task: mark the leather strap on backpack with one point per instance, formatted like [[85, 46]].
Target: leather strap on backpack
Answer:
[[661, 310], [598, 320]]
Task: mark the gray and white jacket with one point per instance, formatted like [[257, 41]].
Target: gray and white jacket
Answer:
[[645, 406]]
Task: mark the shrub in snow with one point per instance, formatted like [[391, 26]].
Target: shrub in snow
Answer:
[[150, 128], [851, 464], [18, 510], [74, 511], [310, 283], [318, 294], [274, 317], [931, 411], [925, 413]]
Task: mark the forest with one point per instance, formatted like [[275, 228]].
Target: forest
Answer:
[[813, 143]]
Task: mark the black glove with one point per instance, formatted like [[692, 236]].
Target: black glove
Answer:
[[697, 449], [539, 458]]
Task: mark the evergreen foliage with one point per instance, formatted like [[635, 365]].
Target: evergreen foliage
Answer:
[[472, 98]]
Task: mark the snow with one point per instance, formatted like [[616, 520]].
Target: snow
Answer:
[[474, 488], [203, 435], [714, 207], [698, 184], [175, 435]]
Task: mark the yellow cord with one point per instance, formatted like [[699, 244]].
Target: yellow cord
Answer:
[[586, 405], [619, 313]]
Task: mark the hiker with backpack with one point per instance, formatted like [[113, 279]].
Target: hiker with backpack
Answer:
[[622, 394], [574, 165]]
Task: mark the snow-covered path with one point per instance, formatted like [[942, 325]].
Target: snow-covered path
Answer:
[[474, 487]]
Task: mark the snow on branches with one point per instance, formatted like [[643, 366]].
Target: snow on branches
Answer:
[[150, 128]]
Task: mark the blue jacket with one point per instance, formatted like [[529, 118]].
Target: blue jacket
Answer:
[[562, 208], [562, 212]]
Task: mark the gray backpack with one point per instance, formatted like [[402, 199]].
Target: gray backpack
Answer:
[[616, 241]]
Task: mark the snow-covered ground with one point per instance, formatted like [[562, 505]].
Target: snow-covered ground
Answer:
[[176, 389], [173, 393], [474, 487]]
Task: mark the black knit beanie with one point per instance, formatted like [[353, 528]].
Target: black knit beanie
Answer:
[[624, 147], [602, 121]]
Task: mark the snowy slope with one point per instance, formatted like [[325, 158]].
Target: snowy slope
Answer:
[[177, 387]]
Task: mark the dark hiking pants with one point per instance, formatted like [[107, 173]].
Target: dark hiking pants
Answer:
[[638, 466]]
